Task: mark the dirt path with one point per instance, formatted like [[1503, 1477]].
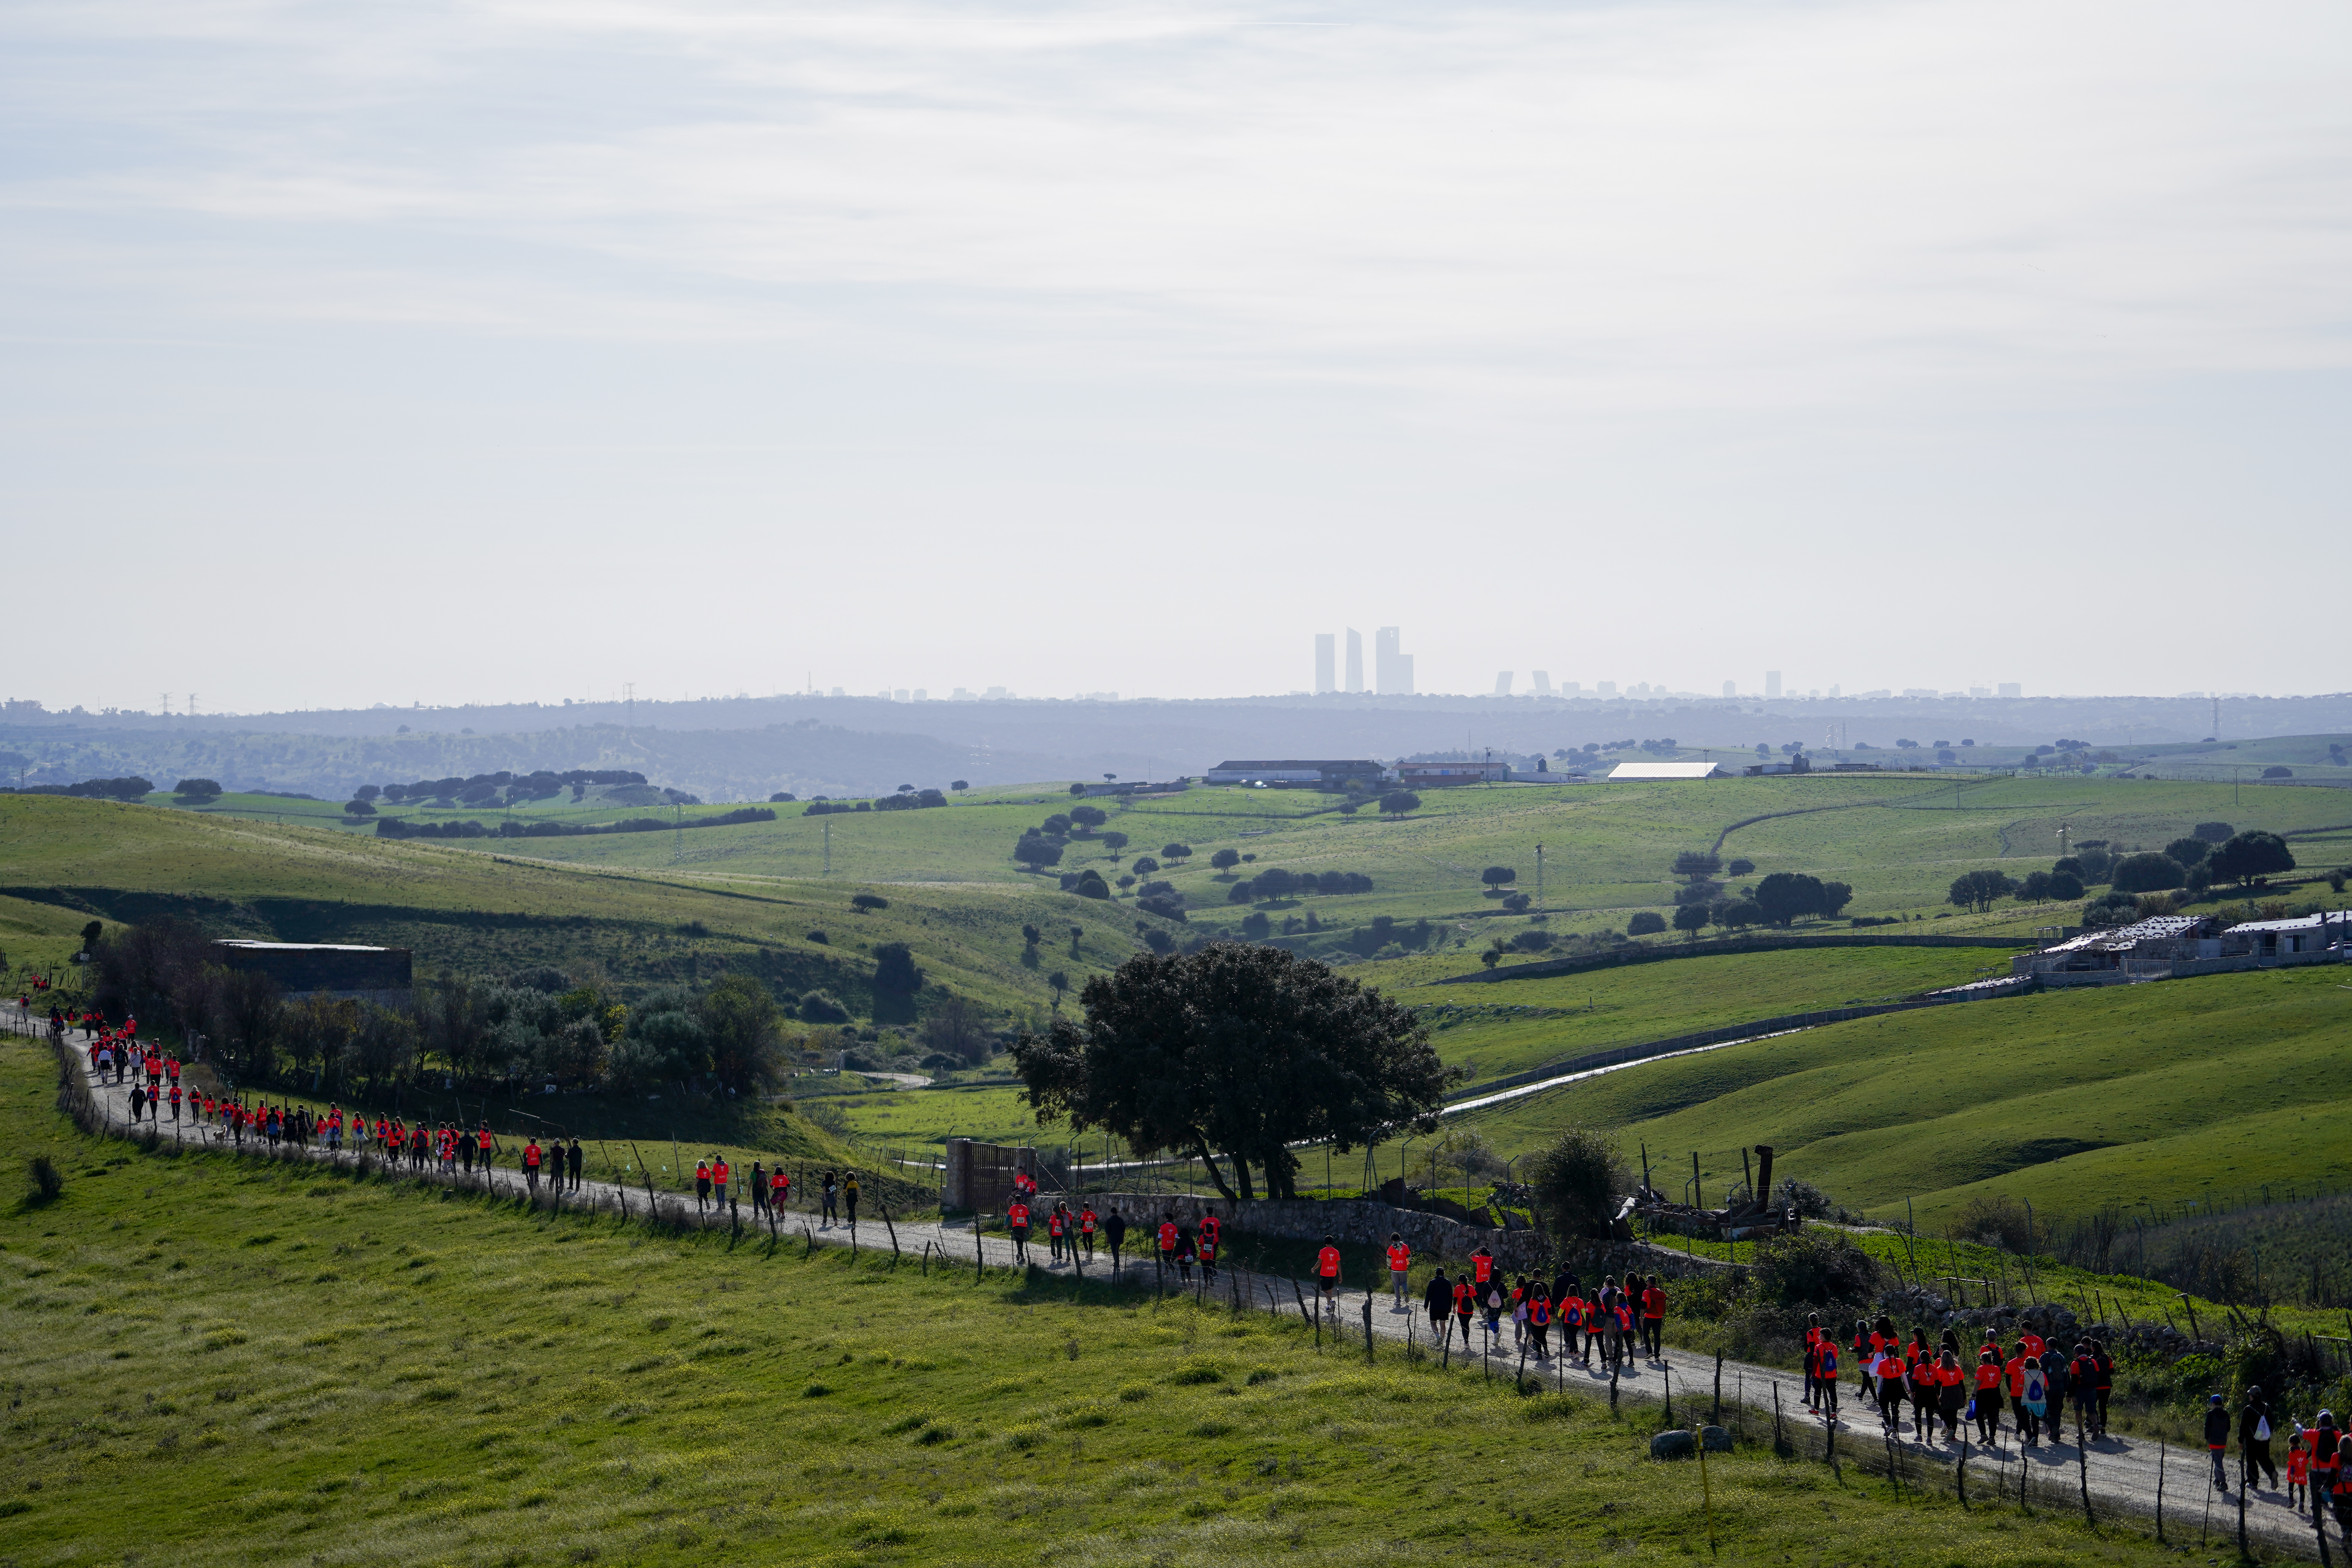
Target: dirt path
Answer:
[[2122, 1472]]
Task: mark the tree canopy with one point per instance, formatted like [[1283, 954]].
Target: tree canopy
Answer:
[[1235, 1050], [1786, 896], [2248, 855], [1498, 875], [1398, 802], [1977, 890], [2148, 873]]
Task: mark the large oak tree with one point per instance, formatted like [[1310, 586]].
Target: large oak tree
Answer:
[[1235, 1050]]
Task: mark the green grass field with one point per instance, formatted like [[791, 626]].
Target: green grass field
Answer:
[[220, 1361], [2138, 1095]]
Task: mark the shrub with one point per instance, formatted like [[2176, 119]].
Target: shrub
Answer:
[[1740, 866], [47, 1182], [821, 1007], [867, 903], [1578, 1179], [1814, 1268], [1649, 922], [1998, 1221]]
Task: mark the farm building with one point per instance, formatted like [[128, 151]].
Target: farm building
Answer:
[[1639, 772], [1329, 775], [1437, 775], [324, 969]]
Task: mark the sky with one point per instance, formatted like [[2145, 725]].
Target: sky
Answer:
[[460, 352]]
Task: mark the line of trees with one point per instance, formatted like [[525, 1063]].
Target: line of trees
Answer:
[[534, 1026], [402, 827]]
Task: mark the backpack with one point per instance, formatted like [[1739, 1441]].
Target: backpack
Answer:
[[1828, 1366], [2037, 1391]]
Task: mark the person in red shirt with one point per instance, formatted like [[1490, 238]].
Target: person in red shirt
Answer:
[[1058, 1220], [1169, 1235], [1207, 1249], [779, 1191], [1653, 1317], [1399, 1265], [1987, 1401], [1326, 1270], [175, 1104], [2298, 1473], [531, 1157], [1016, 1223], [1465, 1302], [1088, 1222], [720, 1178]]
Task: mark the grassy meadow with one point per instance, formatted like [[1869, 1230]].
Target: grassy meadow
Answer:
[[2144, 1097], [214, 1361]]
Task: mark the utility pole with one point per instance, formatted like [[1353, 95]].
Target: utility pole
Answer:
[[1540, 903], [192, 704], [827, 824], [677, 838], [167, 704]]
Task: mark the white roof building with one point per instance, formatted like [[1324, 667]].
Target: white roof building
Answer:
[[1637, 773]]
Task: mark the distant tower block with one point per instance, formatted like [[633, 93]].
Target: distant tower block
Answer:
[[2011, 688], [1392, 665], [1771, 683], [1355, 659], [1731, 688], [1327, 678], [1502, 683], [1542, 679]]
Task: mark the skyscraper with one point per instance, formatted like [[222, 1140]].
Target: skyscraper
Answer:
[[1502, 683], [1542, 679], [1355, 659], [1771, 683], [1325, 652], [1731, 688], [1391, 666]]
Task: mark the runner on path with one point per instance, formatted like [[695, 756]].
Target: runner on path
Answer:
[[1115, 1233], [1016, 1223], [1399, 1265]]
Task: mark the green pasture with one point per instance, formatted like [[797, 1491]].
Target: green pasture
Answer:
[[2144, 1097], [485, 911], [1509, 1026], [303, 1367]]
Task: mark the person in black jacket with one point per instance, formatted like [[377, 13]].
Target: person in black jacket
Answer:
[[2217, 1441], [2255, 1441], [1439, 1300], [1115, 1233]]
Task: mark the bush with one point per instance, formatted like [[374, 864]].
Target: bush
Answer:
[[47, 1182], [821, 1007], [1578, 1179], [1814, 1268], [1649, 922], [1997, 1222], [867, 903], [1739, 867]]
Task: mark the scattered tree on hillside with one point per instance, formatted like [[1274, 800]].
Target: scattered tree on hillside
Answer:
[[359, 808], [1739, 867], [1088, 817], [1055, 827], [1225, 859], [1698, 863], [1145, 865], [1177, 852], [895, 970], [1115, 842], [1691, 919], [1274, 882], [1788, 895], [959, 785], [1649, 922], [867, 903], [2189, 850], [1977, 890], [1498, 875], [2251, 854], [1238, 1051], [1060, 982], [2148, 873], [2278, 773], [1037, 853], [954, 1028], [196, 792], [1398, 802], [1078, 789]]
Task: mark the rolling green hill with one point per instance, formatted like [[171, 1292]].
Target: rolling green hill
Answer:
[[2143, 1096]]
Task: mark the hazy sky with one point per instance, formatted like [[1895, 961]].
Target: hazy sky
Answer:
[[460, 351]]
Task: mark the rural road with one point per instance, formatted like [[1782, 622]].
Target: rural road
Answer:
[[2122, 1471]]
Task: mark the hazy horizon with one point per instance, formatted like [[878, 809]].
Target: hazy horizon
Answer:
[[443, 355]]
